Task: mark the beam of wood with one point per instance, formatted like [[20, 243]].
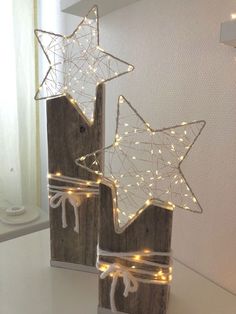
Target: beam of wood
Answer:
[[68, 138], [151, 230]]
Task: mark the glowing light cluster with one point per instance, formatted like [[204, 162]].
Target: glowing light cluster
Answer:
[[233, 16], [78, 65], [142, 166]]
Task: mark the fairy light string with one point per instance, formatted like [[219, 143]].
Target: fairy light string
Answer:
[[70, 190], [142, 270], [143, 165], [77, 65]]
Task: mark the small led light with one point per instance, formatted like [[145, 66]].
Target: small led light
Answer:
[[233, 16], [121, 100], [130, 68], [103, 268]]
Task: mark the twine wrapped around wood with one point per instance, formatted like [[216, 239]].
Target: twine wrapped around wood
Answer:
[[59, 199], [75, 194], [160, 275]]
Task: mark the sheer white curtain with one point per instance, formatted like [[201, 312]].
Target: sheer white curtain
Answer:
[[50, 18], [18, 112]]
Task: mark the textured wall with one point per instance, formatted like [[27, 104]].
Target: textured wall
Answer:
[[184, 74]]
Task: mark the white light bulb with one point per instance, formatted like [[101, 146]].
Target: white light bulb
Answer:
[[130, 68]]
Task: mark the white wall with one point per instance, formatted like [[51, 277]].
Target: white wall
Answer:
[[184, 74]]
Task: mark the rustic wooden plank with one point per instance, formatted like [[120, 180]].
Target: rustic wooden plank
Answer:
[[69, 137], [151, 230]]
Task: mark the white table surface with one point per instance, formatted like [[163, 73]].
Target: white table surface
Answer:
[[28, 285]]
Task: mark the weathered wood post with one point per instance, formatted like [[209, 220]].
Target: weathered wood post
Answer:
[[150, 231], [69, 136]]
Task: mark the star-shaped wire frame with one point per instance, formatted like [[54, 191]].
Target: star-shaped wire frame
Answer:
[[78, 65], [143, 165]]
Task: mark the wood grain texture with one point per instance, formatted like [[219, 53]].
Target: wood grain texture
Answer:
[[68, 138], [151, 230]]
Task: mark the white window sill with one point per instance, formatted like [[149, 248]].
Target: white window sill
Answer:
[[8, 232]]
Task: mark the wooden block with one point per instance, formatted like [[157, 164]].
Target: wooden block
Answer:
[[151, 230], [69, 137]]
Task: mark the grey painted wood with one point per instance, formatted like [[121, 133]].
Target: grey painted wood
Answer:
[[228, 33], [68, 138], [107, 311], [78, 267], [151, 230]]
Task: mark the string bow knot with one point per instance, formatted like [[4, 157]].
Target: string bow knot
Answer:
[[59, 199], [130, 282]]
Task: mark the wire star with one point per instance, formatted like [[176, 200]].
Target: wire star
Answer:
[[78, 65], [143, 165]]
